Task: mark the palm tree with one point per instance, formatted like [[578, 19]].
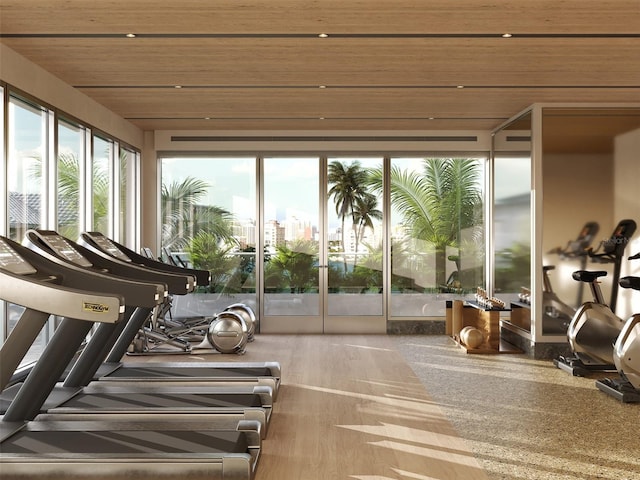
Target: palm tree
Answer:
[[295, 265], [348, 187], [437, 204], [364, 213], [68, 194], [206, 253], [179, 200], [204, 231]]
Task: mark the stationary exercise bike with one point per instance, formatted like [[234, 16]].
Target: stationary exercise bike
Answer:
[[594, 328], [626, 354], [453, 284], [612, 251], [557, 314]]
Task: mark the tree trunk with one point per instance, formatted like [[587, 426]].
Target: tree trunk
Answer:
[[441, 265]]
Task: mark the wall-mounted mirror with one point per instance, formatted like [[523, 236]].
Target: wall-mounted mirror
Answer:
[[590, 178]]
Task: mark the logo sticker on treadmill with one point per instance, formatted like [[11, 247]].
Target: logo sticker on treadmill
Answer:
[[95, 307]]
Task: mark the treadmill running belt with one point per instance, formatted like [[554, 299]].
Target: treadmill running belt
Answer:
[[159, 400], [189, 372], [125, 441]]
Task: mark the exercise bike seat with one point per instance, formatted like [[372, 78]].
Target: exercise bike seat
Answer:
[[546, 268], [588, 276], [630, 282]]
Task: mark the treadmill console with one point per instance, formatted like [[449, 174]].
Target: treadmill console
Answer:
[[62, 247], [12, 262], [107, 246]]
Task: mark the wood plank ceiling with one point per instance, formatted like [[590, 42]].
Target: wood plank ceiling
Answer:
[[385, 64]]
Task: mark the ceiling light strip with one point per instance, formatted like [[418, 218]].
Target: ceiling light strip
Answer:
[[315, 35], [314, 118], [307, 138], [336, 87]]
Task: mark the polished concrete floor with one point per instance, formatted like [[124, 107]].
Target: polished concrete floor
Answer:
[[524, 418]]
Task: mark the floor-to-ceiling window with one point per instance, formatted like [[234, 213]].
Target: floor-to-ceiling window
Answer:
[[102, 184], [72, 143], [437, 232], [128, 206], [209, 215], [47, 182], [27, 201], [26, 165]]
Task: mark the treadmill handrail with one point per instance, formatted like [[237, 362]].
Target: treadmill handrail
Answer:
[[125, 277], [147, 294], [203, 277], [176, 284]]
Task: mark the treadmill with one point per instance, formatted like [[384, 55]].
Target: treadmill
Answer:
[[31, 447], [79, 397], [265, 373]]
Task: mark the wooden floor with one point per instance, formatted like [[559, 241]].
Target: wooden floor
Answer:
[[351, 408]]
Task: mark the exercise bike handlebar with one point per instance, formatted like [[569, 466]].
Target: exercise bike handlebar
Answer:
[[630, 282]]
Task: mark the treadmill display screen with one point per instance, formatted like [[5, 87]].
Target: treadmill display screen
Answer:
[[108, 246], [12, 262], [63, 248]]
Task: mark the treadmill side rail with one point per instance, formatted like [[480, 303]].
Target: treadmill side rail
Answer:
[[151, 466]]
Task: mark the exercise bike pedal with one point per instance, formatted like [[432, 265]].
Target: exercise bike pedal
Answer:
[[576, 367], [620, 389], [570, 365]]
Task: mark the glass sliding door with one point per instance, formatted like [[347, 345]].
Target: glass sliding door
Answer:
[[355, 245], [437, 225], [329, 244], [291, 297]]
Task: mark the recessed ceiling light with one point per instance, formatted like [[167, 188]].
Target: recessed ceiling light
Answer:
[[130, 35], [459, 86], [321, 118], [323, 35], [506, 35], [322, 86], [177, 86], [432, 118], [207, 118]]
